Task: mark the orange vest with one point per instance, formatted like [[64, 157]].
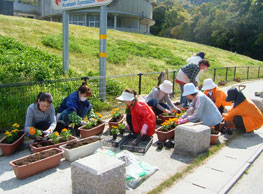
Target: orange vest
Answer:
[[252, 117], [219, 96]]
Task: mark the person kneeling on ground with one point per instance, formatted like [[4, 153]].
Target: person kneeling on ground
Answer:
[[41, 115], [217, 95], [201, 109], [139, 116], [245, 114], [159, 98], [78, 102]]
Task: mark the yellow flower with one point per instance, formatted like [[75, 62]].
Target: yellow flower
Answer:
[[64, 130], [115, 127], [116, 109], [15, 130], [99, 114], [56, 133], [8, 133]]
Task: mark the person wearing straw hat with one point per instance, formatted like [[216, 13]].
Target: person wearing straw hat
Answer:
[[159, 98], [139, 116], [245, 114], [217, 95], [201, 109]]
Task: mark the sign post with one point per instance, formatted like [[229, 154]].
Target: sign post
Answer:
[[65, 21]]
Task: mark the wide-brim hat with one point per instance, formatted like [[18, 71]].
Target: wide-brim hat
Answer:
[[189, 89], [126, 96], [166, 87], [208, 84]]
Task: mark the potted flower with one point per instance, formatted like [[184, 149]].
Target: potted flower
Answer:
[[81, 148], [93, 126], [214, 136], [237, 79], [166, 131], [117, 118], [12, 140], [55, 140], [114, 132], [121, 128], [166, 116], [222, 82], [35, 163]]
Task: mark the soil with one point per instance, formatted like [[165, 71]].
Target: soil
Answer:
[[116, 119], [36, 157], [20, 133], [81, 143], [47, 143]]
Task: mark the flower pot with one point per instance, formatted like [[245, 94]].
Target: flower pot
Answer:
[[164, 118], [214, 138], [164, 135], [39, 149], [114, 136], [237, 80], [122, 131], [111, 123], [8, 149], [81, 151], [52, 159], [91, 132]]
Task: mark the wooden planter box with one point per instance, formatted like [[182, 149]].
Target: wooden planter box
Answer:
[[214, 138], [164, 118], [116, 123], [91, 132], [8, 149], [39, 149], [81, 151], [36, 167], [164, 135]]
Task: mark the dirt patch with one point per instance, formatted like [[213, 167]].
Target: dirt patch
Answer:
[[81, 143], [117, 119], [44, 143], [36, 157]]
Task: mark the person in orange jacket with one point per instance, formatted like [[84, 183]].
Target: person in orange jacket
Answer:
[[139, 116], [217, 95], [245, 114]]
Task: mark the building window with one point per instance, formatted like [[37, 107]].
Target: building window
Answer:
[[29, 2], [77, 19], [93, 21]]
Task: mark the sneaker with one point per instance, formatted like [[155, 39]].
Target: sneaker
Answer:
[[229, 132], [159, 146], [169, 144], [250, 134]]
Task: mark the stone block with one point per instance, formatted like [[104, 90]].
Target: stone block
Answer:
[[258, 102], [192, 138], [98, 174]]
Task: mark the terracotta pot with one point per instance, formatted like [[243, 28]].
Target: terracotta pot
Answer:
[[164, 135], [36, 149], [116, 123], [8, 149], [164, 118], [214, 138], [82, 151], [36, 167], [91, 132]]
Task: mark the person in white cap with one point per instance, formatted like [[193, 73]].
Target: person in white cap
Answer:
[[159, 98], [139, 116], [217, 95], [201, 109]]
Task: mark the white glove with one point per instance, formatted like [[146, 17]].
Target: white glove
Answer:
[[144, 129]]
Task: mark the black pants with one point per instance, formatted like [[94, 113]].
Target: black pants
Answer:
[[44, 125], [221, 109], [239, 123], [129, 121]]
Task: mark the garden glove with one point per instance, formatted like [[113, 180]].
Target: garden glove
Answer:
[[182, 121], [168, 111], [144, 129]]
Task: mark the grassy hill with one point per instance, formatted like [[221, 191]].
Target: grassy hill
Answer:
[[127, 52]]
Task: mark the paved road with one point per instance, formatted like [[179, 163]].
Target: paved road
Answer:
[[252, 181]]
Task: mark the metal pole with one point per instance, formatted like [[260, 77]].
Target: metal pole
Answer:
[[258, 71], [102, 55], [235, 70], [226, 73], [140, 82], [247, 71], [214, 75], [65, 21], [173, 81]]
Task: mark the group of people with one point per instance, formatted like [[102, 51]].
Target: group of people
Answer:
[[206, 107]]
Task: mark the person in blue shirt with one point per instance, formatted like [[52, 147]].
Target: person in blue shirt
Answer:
[[78, 102]]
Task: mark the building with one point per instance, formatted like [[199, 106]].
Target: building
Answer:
[[124, 15]]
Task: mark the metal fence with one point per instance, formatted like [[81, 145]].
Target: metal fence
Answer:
[[15, 98]]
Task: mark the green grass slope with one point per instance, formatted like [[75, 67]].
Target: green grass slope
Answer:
[[126, 52]]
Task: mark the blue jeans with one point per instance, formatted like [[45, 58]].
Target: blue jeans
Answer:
[[183, 99], [153, 104]]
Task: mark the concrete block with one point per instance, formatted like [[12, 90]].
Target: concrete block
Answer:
[[98, 174], [258, 102], [192, 138]]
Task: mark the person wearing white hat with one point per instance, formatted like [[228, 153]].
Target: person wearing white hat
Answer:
[[159, 98], [217, 95], [201, 109], [139, 116]]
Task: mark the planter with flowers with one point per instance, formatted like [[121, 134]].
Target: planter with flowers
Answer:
[[166, 116], [35, 163], [117, 118], [121, 128], [222, 83], [12, 140], [55, 139], [114, 132], [214, 136], [93, 126], [237, 79], [166, 131], [81, 148]]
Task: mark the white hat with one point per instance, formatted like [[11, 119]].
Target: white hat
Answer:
[[189, 89], [166, 87], [208, 84], [126, 96]]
